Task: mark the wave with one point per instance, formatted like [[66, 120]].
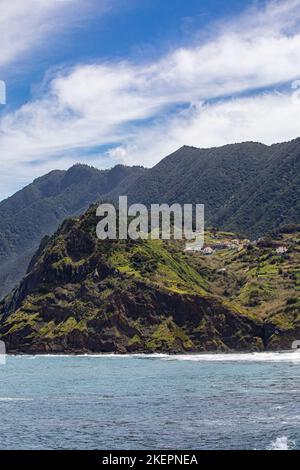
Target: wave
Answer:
[[280, 356], [290, 356], [282, 443], [91, 355]]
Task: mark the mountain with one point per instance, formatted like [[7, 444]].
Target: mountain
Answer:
[[86, 295], [248, 187], [39, 209]]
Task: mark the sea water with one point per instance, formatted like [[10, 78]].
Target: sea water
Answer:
[[221, 401]]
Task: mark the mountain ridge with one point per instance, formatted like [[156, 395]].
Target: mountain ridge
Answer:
[[249, 188], [39, 208], [224, 178]]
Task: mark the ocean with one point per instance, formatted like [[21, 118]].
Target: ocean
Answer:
[[209, 401]]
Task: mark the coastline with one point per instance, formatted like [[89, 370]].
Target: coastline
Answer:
[[272, 356]]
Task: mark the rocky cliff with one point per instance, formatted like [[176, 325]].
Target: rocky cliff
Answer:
[[85, 295]]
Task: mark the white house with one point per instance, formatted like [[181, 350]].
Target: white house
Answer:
[[207, 250], [281, 250]]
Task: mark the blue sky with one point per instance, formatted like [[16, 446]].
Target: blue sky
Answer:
[[129, 81], [134, 29]]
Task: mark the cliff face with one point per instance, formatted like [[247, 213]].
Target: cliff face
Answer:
[[85, 295]]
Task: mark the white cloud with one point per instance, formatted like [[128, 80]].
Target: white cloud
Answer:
[[23, 23], [26, 25], [266, 118], [151, 109]]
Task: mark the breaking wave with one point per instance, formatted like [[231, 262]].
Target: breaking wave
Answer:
[[282, 443], [290, 356], [283, 356]]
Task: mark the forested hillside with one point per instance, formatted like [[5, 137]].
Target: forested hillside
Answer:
[[39, 208]]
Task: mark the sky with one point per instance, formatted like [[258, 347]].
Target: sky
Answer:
[[104, 82]]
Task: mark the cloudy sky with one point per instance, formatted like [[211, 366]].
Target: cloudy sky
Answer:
[[130, 81]]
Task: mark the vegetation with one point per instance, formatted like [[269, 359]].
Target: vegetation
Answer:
[[38, 210], [82, 294], [247, 188]]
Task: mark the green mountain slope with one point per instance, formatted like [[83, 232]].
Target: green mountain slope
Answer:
[[38, 210], [248, 187], [86, 295]]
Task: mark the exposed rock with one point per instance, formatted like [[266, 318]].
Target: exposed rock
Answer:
[[85, 295]]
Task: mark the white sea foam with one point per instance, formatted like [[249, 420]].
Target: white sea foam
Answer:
[[282, 443], [91, 355], [281, 356], [290, 356]]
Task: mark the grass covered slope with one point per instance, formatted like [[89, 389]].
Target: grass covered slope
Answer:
[[82, 294], [264, 279], [86, 295]]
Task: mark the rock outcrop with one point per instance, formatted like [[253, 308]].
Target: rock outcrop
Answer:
[[85, 295]]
